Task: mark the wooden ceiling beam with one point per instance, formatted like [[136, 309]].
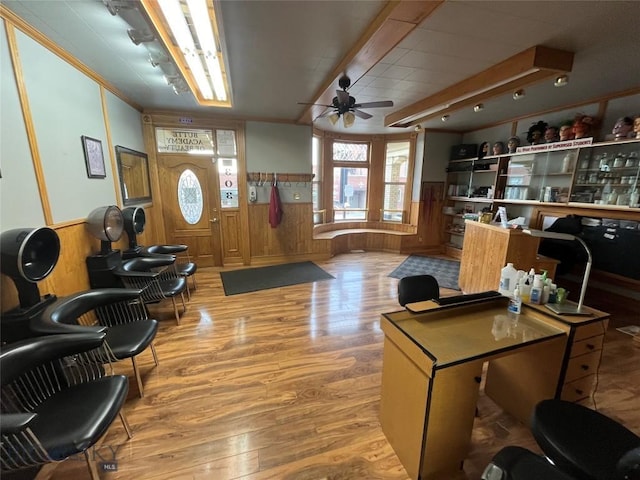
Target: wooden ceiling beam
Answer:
[[394, 22], [525, 68]]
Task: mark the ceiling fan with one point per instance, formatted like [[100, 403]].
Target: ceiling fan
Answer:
[[345, 105]]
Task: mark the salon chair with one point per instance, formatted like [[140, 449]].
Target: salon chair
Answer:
[[56, 401], [120, 312], [585, 443], [155, 278], [134, 223], [185, 269], [517, 463], [417, 288]]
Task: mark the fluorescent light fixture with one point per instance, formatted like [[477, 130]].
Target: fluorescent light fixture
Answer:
[[348, 119], [189, 29], [563, 308], [177, 23], [202, 23]]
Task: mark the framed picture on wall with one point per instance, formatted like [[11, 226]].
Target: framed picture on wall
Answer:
[[93, 157]]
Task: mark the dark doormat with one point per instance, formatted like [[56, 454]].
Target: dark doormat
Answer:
[[262, 278], [445, 271]]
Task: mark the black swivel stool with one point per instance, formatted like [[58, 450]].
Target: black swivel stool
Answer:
[[584, 443], [517, 463]]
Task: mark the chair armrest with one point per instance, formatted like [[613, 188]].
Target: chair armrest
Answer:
[[20, 357], [166, 249], [68, 309], [45, 326], [120, 272], [15, 422]]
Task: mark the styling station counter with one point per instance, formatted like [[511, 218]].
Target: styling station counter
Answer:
[[433, 363]]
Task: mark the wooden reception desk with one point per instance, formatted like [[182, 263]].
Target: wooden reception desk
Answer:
[[489, 247], [432, 368]]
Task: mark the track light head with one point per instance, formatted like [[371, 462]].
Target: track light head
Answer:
[[519, 94], [478, 107], [561, 81]]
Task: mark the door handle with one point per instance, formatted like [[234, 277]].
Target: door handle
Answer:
[[214, 220]]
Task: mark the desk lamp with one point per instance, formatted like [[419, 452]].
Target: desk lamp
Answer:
[[561, 308]]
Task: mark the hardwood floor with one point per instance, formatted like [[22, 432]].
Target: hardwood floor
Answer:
[[285, 384]]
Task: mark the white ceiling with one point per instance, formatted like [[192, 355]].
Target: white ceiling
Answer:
[[282, 52]]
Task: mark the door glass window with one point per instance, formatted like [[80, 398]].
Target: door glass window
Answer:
[[228, 174], [190, 197]]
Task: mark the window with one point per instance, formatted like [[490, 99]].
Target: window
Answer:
[[396, 174], [190, 197], [350, 180]]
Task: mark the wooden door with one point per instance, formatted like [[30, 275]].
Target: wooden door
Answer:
[[432, 197], [190, 206]]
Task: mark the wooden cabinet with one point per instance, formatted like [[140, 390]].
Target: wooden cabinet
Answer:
[[488, 248], [585, 354]]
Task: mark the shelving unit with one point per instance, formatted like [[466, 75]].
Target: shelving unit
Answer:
[[602, 175]]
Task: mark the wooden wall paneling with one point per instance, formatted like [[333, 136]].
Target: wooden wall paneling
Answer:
[[294, 235], [232, 247], [157, 223], [376, 178]]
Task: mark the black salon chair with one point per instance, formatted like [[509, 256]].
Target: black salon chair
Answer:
[[55, 400], [134, 223], [417, 288], [120, 311], [517, 463], [186, 269], [156, 279], [585, 443]]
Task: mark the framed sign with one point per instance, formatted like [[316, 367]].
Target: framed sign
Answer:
[[93, 157]]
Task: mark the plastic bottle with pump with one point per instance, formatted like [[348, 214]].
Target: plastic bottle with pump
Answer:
[[536, 290], [508, 279]]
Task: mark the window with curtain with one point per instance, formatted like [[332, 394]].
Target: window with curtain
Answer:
[[350, 180], [396, 175]]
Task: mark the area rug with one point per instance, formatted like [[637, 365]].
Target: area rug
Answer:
[[262, 278], [445, 271]]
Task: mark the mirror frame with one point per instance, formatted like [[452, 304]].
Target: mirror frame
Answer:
[[134, 200]]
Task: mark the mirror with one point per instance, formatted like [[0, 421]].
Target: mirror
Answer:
[[133, 168]]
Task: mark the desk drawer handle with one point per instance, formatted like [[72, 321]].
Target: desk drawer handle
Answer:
[[584, 367]]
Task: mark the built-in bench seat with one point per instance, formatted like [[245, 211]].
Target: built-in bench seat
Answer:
[[370, 236]]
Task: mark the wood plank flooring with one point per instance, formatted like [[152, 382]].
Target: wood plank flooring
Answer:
[[285, 384]]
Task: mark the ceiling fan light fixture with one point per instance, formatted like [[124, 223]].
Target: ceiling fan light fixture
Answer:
[[478, 107], [333, 118], [561, 81], [519, 94], [348, 119]]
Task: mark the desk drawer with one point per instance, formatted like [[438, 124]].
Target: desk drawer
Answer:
[[583, 365], [578, 389], [590, 330], [589, 345]]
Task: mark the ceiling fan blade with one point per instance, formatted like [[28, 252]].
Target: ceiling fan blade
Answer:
[[316, 104], [361, 114], [383, 103], [343, 97]]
